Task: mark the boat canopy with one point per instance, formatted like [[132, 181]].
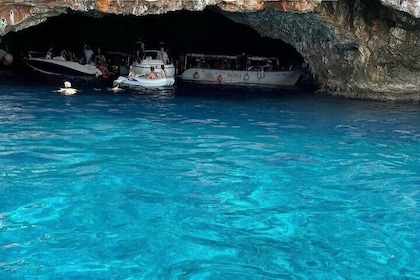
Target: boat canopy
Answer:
[[221, 61], [222, 56]]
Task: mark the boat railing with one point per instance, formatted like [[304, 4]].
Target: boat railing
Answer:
[[266, 68], [231, 57]]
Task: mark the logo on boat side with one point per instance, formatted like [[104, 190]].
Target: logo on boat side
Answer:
[[235, 75]]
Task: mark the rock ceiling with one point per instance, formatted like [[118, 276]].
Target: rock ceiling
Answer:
[[355, 48]]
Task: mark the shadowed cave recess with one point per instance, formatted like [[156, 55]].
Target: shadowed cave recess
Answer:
[[181, 31]]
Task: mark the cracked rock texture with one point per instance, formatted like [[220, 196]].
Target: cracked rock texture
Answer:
[[355, 48]]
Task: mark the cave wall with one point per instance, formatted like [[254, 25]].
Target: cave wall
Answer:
[[355, 48]]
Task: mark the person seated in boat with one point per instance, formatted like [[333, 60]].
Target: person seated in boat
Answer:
[[217, 65], [162, 55], [225, 64], [49, 54], [269, 65], [64, 54], [163, 73], [131, 72], [152, 74], [71, 56]]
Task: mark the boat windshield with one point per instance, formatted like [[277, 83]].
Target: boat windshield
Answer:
[[151, 54]]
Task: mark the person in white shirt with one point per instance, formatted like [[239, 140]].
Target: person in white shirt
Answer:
[[163, 56], [163, 73], [88, 54]]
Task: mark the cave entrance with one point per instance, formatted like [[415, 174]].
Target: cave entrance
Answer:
[[182, 31]]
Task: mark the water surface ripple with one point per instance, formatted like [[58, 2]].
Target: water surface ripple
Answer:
[[207, 185]]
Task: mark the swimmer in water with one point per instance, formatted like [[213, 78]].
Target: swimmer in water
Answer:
[[67, 90]]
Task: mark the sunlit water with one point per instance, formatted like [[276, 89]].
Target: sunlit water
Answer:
[[206, 183]]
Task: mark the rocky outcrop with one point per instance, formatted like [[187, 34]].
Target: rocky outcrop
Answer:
[[355, 48]]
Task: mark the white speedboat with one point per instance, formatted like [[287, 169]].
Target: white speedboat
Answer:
[[223, 69], [152, 59], [57, 65], [143, 82]]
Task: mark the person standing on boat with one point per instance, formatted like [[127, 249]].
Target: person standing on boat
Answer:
[[100, 58], [163, 55], [101, 63], [163, 73], [152, 74], [242, 61], [88, 54], [140, 49]]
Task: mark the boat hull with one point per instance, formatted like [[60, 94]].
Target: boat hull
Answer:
[[142, 82], [216, 76], [59, 66]]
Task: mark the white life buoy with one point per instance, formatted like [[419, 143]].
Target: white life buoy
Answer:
[[246, 77], [196, 75]]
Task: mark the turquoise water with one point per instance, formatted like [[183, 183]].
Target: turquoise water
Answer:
[[206, 183]]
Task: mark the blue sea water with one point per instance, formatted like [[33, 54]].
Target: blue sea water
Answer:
[[206, 183]]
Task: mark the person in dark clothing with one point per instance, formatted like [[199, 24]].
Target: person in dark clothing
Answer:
[[242, 61], [140, 48]]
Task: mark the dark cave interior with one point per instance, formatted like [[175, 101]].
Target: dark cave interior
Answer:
[[182, 31]]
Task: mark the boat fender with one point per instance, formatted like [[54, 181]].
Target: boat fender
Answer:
[[260, 74], [6, 58], [219, 78], [246, 77], [196, 75]]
